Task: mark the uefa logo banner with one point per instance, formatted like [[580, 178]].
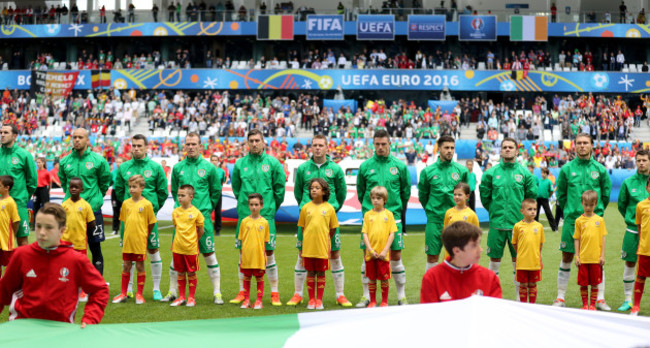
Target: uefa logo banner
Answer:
[[376, 27], [477, 28], [325, 27], [427, 27]]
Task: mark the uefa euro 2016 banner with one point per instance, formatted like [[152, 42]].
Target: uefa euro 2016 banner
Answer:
[[326, 27], [299, 79]]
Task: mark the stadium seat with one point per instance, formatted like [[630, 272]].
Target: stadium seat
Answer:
[[548, 68], [625, 70], [574, 68], [566, 69], [55, 66], [348, 65], [481, 65], [632, 68], [283, 64], [440, 67], [639, 67], [532, 67], [557, 67], [258, 66]]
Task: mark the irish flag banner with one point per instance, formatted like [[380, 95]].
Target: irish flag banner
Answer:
[[474, 322], [528, 28]]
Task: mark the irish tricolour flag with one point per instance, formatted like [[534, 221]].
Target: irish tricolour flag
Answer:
[[528, 28]]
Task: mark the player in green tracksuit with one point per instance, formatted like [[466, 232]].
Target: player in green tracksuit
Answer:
[[632, 191], [260, 173], [436, 194], [320, 166], [581, 174], [200, 173], [221, 175], [155, 191], [19, 164], [502, 189], [95, 173], [382, 169]]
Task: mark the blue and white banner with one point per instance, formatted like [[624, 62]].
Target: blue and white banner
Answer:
[[376, 27], [324, 27], [477, 28], [427, 27], [354, 79]]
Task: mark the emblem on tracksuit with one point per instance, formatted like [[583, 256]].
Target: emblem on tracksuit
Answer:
[[64, 272], [454, 176], [329, 173], [265, 168], [147, 173], [15, 160], [393, 170], [518, 177], [595, 174], [89, 165], [201, 172]]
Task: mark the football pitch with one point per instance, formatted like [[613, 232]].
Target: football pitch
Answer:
[[413, 258]]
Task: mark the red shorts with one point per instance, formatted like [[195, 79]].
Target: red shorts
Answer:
[[590, 274], [251, 272], [378, 269], [133, 257], [185, 263], [526, 276], [643, 266], [313, 264], [5, 255]]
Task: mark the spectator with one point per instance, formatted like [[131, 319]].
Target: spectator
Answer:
[[622, 9], [154, 12]]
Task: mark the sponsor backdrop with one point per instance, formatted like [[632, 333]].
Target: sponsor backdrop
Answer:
[[325, 27], [477, 28], [290, 79], [299, 28], [427, 27], [376, 27]]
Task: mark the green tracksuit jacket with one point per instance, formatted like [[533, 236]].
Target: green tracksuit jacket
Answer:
[[93, 170], [202, 175], [633, 190], [155, 181], [19, 164], [503, 188], [577, 177], [330, 172], [390, 173], [436, 188], [261, 174]]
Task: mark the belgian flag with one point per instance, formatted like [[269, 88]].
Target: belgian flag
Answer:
[[275, 27], [100, 78]]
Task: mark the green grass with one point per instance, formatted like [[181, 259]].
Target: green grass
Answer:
[[413, 258]]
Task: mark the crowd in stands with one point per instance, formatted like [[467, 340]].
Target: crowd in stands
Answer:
[[110, 115], [375, 58]]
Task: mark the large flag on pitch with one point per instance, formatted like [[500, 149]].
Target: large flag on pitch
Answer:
[[528, 28], [275, 27]]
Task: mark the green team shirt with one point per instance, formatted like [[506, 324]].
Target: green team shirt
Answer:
[[545, 188], [330, 172], [577, 177], [261, 174], [202, 175], [390, 173], [471, 181], [93, 170], [19, 164], [221, 175], [633, 190], [503, 188], [436, 188], [155, 181]]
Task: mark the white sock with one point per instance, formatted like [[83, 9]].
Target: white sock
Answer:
[[173, 279], [514, 280], [272, 272], [628, 283], [563, 278], [601, 288], [130, 288], [399, 273], [156, 270], [364, 281], [494, 266], [299, 276], [214, 272], [338, 274], [430, 265], [241, 280]]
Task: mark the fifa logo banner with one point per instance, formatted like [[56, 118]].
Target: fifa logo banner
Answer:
[[324, 27], [56, 84], [477, 28], [427, 27], [376, 27]]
